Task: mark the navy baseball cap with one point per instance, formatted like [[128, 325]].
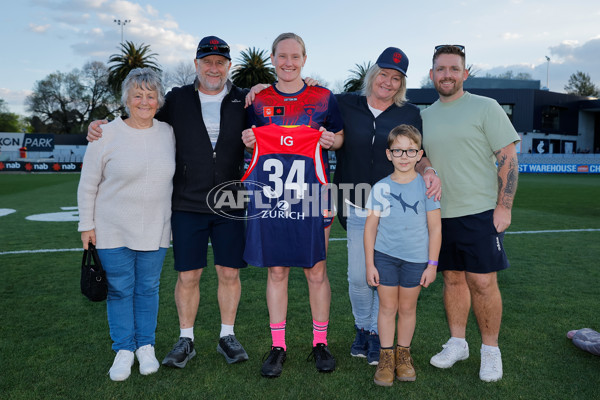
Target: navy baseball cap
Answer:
[[393, 58], [212, 45]]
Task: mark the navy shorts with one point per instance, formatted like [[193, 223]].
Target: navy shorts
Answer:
[[396, 272], [471, 243], [191, 232]]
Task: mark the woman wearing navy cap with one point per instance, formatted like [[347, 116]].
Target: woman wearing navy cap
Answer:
[[368, 119]]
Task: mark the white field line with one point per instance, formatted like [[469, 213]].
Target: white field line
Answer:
[[2, 253]]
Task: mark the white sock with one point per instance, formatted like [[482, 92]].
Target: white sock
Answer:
[[461, 341], [187, 332], [493, 349], [226, 330]]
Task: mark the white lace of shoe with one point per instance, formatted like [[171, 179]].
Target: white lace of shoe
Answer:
[[451, 353], [147, 359], [491, 366], [121, 368]]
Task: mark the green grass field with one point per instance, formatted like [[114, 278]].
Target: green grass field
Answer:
[[54, 344]]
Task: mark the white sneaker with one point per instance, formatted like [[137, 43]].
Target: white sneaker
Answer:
[[148, 362], [451, 353], [491, 366], [121, 368]]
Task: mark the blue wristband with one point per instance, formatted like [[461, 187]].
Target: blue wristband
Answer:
[[431, 262]]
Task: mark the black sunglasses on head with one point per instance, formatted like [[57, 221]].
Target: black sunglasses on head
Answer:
[[211, 48], [443, 46]]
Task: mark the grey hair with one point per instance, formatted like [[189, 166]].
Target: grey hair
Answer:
[[145, 78], [367, 88]]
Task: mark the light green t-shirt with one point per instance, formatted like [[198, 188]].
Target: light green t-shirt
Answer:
[[460, 138]]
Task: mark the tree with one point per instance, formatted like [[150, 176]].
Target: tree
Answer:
[[99, 100], [131, 57], [321, 81], [184, 73], [355, 81], [510, 74], [472, 70], [581, 84], [426, 83], [253, 68], [9, 122], [68, 102]]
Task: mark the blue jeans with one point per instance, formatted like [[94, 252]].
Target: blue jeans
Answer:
[[363, 298], [132, 304]]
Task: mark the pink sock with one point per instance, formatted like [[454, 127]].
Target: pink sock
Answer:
[[320, 332], [278, 334]]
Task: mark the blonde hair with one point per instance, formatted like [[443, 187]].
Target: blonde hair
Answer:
[[285, 36], [367, 88]]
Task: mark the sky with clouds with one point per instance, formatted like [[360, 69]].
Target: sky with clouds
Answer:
[[44, 36]]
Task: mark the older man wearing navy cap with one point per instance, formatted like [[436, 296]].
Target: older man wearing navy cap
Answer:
[[208, 117]]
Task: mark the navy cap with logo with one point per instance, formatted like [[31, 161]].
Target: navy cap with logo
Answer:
[[212, 45], [393, 58]]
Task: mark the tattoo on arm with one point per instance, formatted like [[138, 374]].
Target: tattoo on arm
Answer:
[[507, 188], [501, 160]]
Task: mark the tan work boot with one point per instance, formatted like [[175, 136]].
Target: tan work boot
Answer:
[[405, 371], [384, 376]]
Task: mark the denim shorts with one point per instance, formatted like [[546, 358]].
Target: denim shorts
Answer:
[[471, 243], [396, 272], [191, 232]]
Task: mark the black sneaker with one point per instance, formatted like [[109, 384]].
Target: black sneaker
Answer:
[[273, 365], [231, 349], [324, 361], [182, 352]]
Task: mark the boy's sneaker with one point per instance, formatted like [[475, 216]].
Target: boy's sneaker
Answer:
[[147, 359], [182, 352], [359, 346], [273, 365], [324, 361], [231, 349], [451, 353], [373, 348], [491, 366], [121, 368]]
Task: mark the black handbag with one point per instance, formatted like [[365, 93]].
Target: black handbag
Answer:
[[93, 277]]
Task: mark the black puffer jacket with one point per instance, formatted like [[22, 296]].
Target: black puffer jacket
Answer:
[[199, 168]]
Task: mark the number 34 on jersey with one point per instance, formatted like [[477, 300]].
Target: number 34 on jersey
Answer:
[[287, 160]]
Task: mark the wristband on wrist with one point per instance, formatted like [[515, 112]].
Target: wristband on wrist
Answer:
[[431, 262], [429, 168]]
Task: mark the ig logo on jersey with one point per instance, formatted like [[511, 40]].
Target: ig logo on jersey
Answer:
[[287, 141]]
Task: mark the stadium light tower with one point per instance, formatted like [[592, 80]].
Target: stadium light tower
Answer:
[[122, 24]]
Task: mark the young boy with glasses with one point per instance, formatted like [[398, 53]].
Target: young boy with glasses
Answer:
[[402, 242]]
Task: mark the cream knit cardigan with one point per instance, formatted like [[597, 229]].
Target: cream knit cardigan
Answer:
[[126, 184]]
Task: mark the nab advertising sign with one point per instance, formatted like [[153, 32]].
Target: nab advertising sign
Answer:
[[23, 166]]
